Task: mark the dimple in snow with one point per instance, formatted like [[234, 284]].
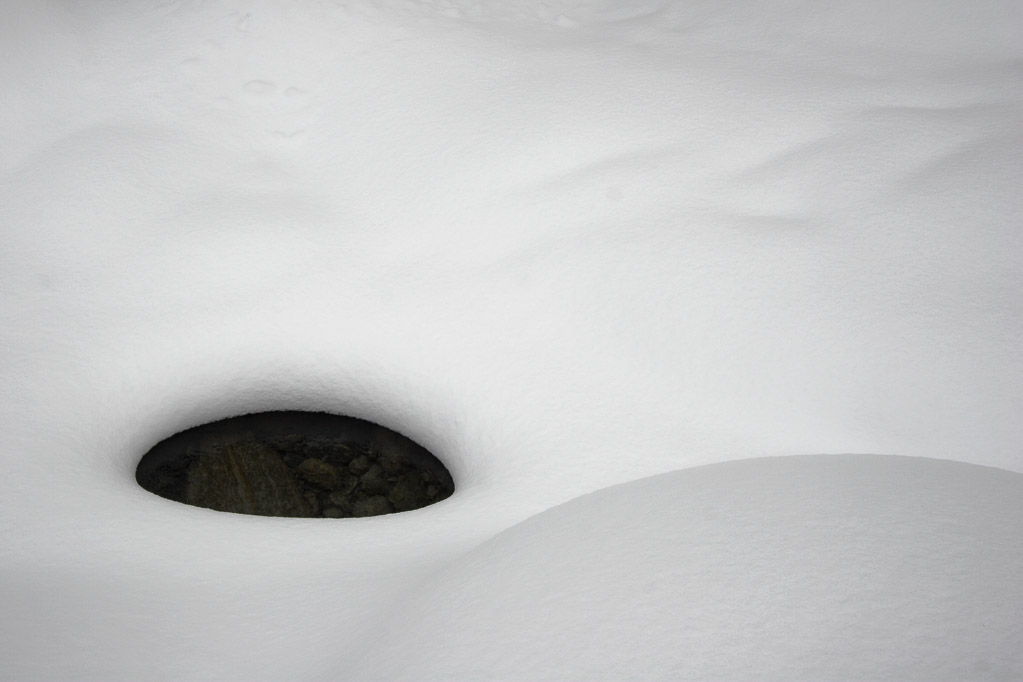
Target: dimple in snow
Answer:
[[297, 464]]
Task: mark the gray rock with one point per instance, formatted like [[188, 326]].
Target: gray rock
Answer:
[[405, 494], [319, 473], [245, 478], [359, 465], [340, 498], [389, 462], [373, 481], [312, 501], [372, 506], [347, 485], [333, 513]]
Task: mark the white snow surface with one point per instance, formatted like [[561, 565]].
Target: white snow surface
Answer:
[[564, 245], [864, 567]]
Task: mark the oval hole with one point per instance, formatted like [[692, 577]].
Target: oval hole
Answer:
[[297, 464]]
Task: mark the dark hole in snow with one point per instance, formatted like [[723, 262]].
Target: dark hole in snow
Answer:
[[308, 464]]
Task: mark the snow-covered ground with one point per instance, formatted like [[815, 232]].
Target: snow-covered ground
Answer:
[[565, 245]]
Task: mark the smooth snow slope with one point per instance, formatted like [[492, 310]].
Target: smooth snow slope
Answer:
[[564, 245]]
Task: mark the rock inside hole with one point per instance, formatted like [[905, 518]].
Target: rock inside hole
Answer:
[[298, 464]]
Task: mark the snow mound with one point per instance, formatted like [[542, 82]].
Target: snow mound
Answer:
[[791, 568]]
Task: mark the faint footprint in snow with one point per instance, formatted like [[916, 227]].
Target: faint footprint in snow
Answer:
[[287, 112], [259, 87]]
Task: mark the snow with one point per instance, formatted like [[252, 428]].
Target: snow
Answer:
[[865, 568], [563, 245]]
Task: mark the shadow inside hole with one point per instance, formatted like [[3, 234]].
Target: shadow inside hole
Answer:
[[298, 464]]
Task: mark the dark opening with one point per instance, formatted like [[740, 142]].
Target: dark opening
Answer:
[[308, 464]]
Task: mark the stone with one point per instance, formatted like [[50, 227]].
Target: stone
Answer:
[[389, 462], [347, 485], [319, 473], [333, 513], [359, 465], [405, 494], [245, 478], [340, 498], [373, 481], [313, 502], [372, 506]]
